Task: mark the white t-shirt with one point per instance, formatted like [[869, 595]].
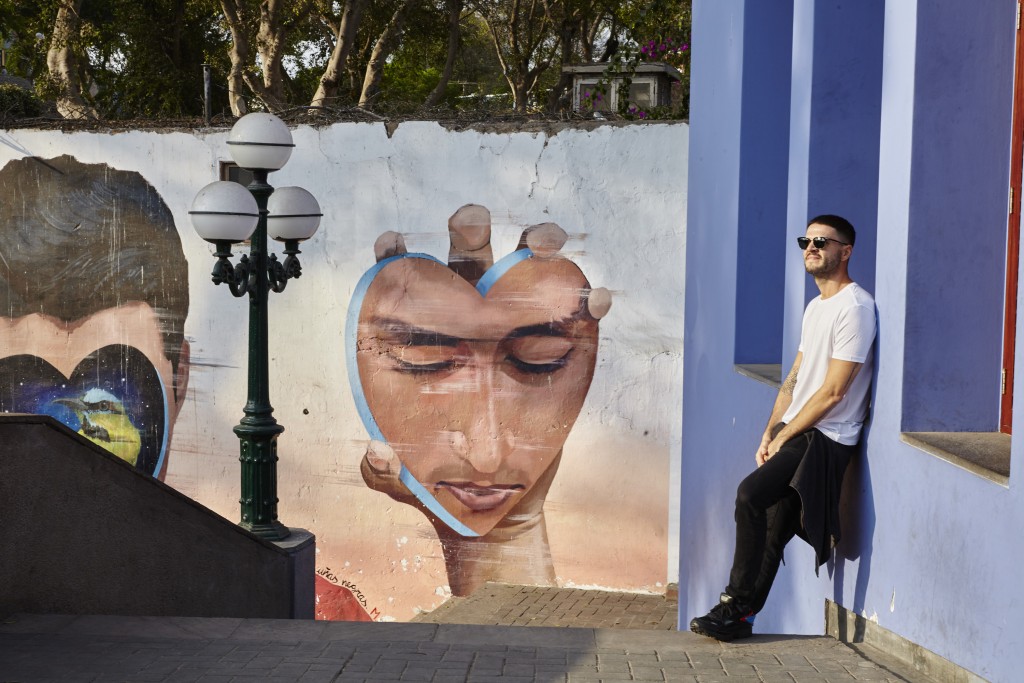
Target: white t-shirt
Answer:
[[840, 327]]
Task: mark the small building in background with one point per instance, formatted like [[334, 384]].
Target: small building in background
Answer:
[[651, 86]]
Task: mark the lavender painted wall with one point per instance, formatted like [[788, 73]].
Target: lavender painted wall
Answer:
[[928, 549], [763, 169], [718, 403]]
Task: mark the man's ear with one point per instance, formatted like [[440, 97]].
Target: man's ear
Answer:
[[181, 377]]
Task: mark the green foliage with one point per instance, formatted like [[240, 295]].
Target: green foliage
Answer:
[[20, 23], [145, 59], [656, 31], [17, 103], [415, 68], [137, 59]]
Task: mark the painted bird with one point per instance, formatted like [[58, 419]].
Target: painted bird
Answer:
[[105, 423]]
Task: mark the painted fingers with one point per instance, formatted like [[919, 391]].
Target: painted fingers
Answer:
[[470, 253], [380, 469], [469, 231]]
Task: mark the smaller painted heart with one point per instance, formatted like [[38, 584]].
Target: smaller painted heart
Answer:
[[475, 388], [115, 398]]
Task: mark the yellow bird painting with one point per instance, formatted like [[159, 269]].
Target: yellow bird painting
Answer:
[[105, 423]]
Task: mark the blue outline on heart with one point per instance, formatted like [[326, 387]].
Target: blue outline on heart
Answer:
[[483, 286], [58, 414]]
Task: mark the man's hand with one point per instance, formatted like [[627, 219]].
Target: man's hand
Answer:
[[772, 442], [762, 450], [775, 445]]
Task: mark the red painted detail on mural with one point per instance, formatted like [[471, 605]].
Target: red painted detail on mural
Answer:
[[337, 603]]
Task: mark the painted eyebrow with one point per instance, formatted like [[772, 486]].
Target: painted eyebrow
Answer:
[[411, 335], [556, 328]]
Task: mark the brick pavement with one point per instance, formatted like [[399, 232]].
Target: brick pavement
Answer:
[[184, 649], [98, 649], [508, 605]]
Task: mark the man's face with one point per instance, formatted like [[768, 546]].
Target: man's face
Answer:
[[107, 374], [476, 394], [826, 260]]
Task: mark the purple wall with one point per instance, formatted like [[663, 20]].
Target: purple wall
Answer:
[[900, 119], [763, 170]]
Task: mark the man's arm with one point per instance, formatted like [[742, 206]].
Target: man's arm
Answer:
[[838, 377], [782, 401]]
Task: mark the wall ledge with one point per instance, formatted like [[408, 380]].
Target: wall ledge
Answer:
[[853, 629], [766, 373], [986, 454]]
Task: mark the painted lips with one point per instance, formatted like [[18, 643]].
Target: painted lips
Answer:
[[480, 498]]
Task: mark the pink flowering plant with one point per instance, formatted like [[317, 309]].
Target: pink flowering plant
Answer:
[[592, 98], [665, 50], [673, 50]]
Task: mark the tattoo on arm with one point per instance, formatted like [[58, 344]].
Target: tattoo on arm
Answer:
[[790, 383]]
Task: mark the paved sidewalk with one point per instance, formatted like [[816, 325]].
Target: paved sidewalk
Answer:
[[184, 649], [499, 604]]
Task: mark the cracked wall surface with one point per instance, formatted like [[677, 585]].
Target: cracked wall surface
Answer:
[[618, 192]]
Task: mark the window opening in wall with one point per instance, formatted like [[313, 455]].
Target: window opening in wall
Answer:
[[971, 445], [587, 93], [763, 191], [641, 94], [1013, 242], [229, 170]]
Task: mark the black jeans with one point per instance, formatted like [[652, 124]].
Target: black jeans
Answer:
[[767, 518]]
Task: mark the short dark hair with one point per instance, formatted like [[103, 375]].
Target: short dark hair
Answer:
[[76, 239], [837, 223]]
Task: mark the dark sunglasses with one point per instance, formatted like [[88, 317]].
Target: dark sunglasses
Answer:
[[819, 242]]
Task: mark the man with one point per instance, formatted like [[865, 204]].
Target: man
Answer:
[[812, 434], [93, 300]]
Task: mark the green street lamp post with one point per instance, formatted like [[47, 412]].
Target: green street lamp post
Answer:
[[225, 213]]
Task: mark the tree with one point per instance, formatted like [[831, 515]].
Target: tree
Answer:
[[236, 16], [523, 40], [278, 19], [657, 31], [63, 63], [146, 58], [454, 9], [23, 30], [274, 28], [382, 48], [114, 58], [344, 37], [445, 58], [125, 58], [578, 23]]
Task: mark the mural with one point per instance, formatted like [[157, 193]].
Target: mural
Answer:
[[462, 401], [469, 377], [93, 301]]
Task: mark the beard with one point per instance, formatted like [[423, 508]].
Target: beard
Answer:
[[827, 265]]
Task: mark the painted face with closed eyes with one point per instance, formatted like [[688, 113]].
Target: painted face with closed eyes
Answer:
[[476, 394]]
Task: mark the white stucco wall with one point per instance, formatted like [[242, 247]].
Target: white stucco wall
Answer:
[[620, 193]]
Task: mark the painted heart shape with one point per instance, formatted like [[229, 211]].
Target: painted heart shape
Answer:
[[114, 397], [475, 388]]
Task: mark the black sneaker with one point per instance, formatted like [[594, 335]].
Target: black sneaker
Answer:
[[728, 620]]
